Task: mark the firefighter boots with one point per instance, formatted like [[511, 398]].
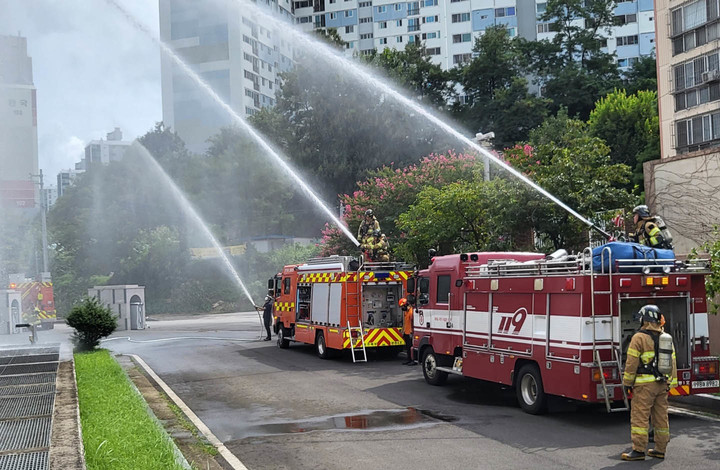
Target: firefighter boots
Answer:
[[657, 454], [633, 455]]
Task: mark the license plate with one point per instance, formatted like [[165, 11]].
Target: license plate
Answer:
[[706, 384]]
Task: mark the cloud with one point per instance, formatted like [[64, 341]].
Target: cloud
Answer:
[[92, 69]]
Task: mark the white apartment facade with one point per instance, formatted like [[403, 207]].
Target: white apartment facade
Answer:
[[238, 57], [448, 28]]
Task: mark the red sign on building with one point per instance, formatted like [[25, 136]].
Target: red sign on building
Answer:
[[19, 194]]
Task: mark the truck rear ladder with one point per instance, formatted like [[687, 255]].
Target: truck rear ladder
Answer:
[[353, 313]]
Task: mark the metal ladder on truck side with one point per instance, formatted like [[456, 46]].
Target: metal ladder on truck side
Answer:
[[617, 353], [353, 313]]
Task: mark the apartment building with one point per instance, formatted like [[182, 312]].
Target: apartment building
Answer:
[[237, 56], [683, 186], [448, 28]]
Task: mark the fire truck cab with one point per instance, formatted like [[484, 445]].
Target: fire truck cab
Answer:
[[557, 325], [337, 303]]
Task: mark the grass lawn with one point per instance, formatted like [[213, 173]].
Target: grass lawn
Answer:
[[118, 431]]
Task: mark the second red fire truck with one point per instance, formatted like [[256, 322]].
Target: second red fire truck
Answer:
[[557, 325], [336, 304]]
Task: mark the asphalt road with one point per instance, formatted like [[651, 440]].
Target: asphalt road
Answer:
[[288, 409]]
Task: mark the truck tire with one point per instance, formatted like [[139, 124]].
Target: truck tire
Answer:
[[282, 341], [529, 389], [429, 367], [321, 347]]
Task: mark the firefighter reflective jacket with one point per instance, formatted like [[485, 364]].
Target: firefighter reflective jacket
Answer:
[[648, 233], [408, 321], [640, 356]]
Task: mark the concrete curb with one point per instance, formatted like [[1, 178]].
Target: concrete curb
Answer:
[[66, 444]]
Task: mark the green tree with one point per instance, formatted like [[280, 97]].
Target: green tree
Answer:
[[642, 76], [712, 281], [463, 216], [575, 167], [413, 70], [629, 124], [389, 191], [497, 97], [571, 68]]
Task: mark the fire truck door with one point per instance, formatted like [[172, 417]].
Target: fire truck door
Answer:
[[476, 319], [565, 325], [335, 304], [320, 299]]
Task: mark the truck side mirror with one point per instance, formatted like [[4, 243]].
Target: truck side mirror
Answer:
[[271, 284], [411, 285]]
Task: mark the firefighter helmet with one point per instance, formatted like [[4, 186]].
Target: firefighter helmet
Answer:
[[402, 302], [649, 313], [369, 213], [642, 210]]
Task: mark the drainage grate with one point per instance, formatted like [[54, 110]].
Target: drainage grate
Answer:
[[29, 359], [26, 406], [29, 461], [32, 389], [28, 368], [33, 433], [29, 351], [27, 379]]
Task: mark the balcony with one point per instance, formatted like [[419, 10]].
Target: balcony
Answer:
[[413, 27], [413, 11]]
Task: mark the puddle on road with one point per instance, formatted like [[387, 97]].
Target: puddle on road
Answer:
[[372, 421]]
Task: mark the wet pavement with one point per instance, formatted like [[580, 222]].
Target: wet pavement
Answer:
[[289, 409]]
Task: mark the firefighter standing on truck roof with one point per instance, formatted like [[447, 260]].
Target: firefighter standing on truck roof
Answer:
[[368, 225], [650, 372], [407, 330], [647, 230], [380, 247]]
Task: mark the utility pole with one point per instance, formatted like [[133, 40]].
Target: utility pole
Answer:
[[43, 219], [483, 141]]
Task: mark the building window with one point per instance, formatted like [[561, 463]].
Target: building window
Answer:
[[364, 4], [502, 12], [543, 28], [627, 40], [432, 35], [349, 13], [382, 25], [398, 39], [333, 16], [430, 3], [382, 9], [398, 6], [398, 23], [349, 29], [457, 38], [460, 17], [620, 20], [383, 40], [433, 50], [431, 19], [461, 58], [366, 36]]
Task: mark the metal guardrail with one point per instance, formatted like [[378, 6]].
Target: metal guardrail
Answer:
[[33, 330]]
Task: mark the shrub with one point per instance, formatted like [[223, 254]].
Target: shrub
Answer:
[[91, 322]]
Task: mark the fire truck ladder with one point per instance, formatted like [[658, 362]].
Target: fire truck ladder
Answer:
[[617, 353], [353, 313]]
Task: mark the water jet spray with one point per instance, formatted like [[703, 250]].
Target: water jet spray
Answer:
[[257, 137], [320, 47]]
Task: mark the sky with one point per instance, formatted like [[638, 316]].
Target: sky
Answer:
[[92, 70]]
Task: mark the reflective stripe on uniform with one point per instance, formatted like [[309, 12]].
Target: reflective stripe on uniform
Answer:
[[633, 352], [647, 357], [637, 430], [674, 382], [628, 377], [644, 379], [662, 431]]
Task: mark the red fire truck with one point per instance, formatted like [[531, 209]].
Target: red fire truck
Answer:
[[337, 303], [557, 325], [38, 305]]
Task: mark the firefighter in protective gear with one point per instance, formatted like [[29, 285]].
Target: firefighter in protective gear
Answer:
[[649, 387], [368, 226], [647, 231], [407, 330], [380, 247]]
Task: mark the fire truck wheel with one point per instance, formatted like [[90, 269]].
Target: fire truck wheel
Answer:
[[529, 388], [282, 341], [322, 350], [429, 366]]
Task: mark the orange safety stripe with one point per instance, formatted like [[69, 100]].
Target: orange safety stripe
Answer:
[[682, 390], [352, 277], [376, 337]]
